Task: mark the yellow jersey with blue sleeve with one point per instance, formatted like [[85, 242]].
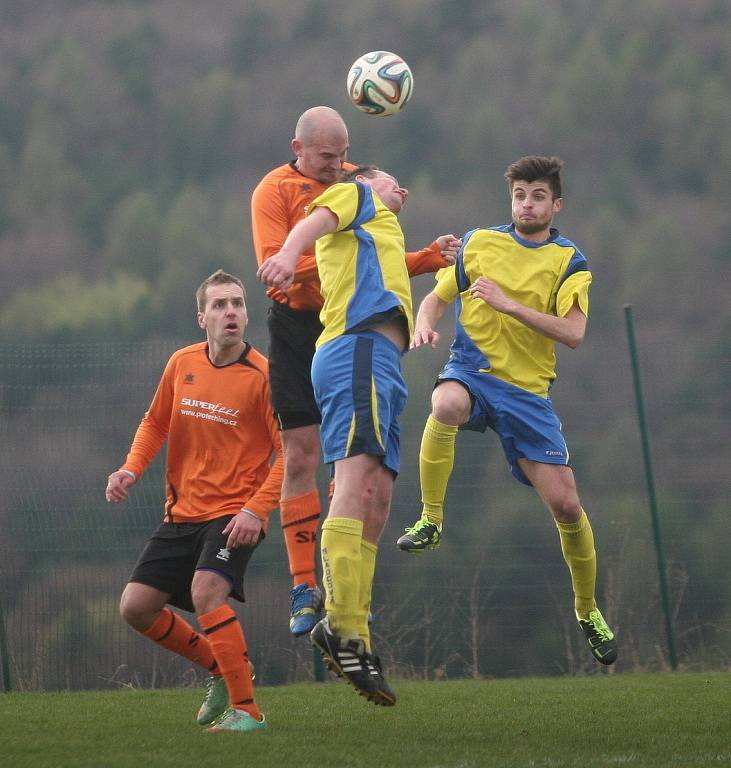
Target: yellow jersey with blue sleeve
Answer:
[[549, 277], [362, 266]]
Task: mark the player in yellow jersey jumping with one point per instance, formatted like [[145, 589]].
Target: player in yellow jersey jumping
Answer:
[[517, 290], [360, 392]]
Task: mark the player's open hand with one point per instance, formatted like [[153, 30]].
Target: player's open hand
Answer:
[[118, 484], [424, 336], [276, 272], [448, 246], [243, 530]]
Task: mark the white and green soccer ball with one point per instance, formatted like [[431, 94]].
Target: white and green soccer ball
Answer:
[[380, 83]]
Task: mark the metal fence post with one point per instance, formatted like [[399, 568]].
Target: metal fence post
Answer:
[[662, 574]]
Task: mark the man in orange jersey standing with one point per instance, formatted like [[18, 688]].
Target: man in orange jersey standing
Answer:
[[213, 407], [280, 200]]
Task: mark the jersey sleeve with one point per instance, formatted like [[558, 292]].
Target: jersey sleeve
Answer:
[[574, 289], [345, 201], [447, 288], [270, 226], [266, 498], [269, 220], [427, 259], [154, 427]]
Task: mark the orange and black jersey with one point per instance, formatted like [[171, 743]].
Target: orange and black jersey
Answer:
[[280, 200], [221, 435]]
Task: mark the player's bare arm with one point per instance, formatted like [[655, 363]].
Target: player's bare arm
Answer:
[[430, 312], [278, 270], [568, 330]]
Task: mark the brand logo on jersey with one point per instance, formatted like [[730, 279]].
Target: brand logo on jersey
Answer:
[[212, 407], [189, 378], [306, 188], [223, 554], [554, 453]]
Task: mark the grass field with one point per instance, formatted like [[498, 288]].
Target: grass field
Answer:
[[642, 721]]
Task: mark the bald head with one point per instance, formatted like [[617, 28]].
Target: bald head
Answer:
[[320, 122], [321, 144]]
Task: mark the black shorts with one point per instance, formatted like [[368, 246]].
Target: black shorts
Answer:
[[176, 551], [292, 337]]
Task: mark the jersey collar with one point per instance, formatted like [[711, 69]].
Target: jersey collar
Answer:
[[553, 235]]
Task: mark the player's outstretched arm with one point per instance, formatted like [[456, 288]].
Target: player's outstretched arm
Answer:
[[278, 270], [430, 312], [118, 485], [441, 253]]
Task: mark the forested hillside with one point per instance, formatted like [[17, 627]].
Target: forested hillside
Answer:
[[132, 134]]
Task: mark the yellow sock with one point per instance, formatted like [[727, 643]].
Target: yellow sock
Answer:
[[436, 459], [368, 553], [577, 545], [340, 551]]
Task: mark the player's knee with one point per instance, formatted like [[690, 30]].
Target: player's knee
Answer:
[[205, 601], [137, 615], [360, 488], [299, 461], [451, 404], [209, 591], [565, 507]]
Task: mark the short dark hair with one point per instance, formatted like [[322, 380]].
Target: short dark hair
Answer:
[[536, 168], [369, 171], [219, 277]]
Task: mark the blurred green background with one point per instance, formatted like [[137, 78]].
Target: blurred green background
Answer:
[[131, 136]]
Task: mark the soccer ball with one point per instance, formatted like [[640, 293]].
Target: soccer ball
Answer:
[[380, 83]]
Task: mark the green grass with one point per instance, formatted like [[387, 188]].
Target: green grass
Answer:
[[642, 721]]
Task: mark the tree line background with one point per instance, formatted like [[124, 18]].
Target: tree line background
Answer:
[[131, 136]]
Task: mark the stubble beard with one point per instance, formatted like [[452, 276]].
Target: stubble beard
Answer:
[[531, 227]]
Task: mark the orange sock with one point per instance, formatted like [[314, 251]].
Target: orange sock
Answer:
[[300, 516], [174, 633], [226, 636]]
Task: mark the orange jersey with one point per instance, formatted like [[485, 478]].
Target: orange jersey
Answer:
[[221, 434], [280, 200]]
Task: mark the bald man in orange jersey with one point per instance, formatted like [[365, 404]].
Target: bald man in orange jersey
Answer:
[[213, 408], [280, 200]]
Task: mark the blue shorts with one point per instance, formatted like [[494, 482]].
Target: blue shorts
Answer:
[[526, 424], [361, 393]]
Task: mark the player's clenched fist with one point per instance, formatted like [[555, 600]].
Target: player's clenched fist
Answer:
[[449, 245], [276, 272]]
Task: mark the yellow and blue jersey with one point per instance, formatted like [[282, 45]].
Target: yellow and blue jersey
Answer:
[[362, 266], [549, 277]]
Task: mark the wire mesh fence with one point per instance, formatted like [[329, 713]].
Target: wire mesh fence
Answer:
[[494, 600]]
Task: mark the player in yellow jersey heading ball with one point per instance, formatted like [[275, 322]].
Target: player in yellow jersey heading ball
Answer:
[[360, 392]]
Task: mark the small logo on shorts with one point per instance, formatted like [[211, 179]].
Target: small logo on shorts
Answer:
[[554, 453], [223, 554]]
